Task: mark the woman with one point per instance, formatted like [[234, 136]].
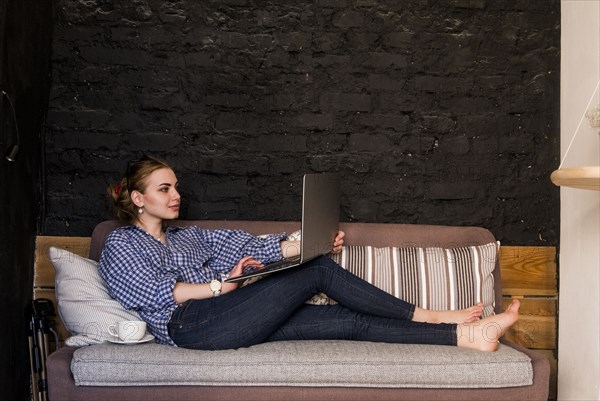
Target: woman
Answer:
[[173, 278]]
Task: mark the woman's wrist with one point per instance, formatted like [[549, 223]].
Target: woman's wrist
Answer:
[[290, 248], [183, 292], [228, 287]]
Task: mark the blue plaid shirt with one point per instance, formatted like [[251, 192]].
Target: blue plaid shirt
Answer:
[[140, 271]]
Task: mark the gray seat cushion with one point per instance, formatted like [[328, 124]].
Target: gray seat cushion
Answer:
[[303, 363]]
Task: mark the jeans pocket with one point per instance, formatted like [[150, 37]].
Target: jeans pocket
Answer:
[[190, 325], [195, 336]]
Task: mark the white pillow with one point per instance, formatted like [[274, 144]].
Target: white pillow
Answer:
[[295, 236], [84, 304]]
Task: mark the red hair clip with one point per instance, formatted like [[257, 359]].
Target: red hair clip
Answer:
[[118, 188]]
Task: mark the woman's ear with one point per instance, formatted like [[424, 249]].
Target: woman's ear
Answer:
[[137, 198]]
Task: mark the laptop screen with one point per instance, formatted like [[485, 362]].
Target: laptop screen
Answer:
[[320, 214]]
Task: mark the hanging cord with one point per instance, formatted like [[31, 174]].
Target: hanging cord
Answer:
[[15, 148], [56, 343], [579, 125]]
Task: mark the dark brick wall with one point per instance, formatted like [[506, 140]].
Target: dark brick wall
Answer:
[[438, 112]]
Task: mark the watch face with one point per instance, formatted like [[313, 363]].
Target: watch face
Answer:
[[215, 285]]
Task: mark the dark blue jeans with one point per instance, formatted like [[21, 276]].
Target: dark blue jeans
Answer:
[[274, 309]]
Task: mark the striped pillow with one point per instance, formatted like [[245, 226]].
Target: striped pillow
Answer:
[[432, 278]]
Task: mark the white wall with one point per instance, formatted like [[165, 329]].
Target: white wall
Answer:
[[579, 304]]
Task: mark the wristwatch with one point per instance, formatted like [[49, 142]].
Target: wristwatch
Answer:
[[215, 287]]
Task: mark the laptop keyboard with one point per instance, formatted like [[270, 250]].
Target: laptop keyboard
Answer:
[[275, 265]]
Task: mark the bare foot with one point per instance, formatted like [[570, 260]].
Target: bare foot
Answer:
[[448, 316], [484, 334]]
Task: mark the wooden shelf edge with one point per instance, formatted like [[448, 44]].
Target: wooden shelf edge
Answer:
[[577, 177]]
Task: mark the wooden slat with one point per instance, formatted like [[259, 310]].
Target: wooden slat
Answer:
[[44, 271], [544, 307], [536, 328], [528, 270]]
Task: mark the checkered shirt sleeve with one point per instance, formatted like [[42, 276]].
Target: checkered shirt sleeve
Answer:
[[229, 246]]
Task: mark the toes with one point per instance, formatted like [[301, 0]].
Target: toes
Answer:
[[514, 306]]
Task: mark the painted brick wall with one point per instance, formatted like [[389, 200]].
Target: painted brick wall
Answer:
[[437, 112]]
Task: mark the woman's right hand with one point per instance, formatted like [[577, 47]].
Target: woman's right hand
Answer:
[[247, 262]]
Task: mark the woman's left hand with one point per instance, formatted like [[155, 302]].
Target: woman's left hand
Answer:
[[338, 242]]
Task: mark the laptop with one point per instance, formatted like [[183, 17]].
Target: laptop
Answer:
[[320, 224]]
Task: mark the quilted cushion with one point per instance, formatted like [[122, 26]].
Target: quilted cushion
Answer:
[[303, 363]]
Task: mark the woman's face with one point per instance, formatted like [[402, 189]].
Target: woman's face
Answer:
[[160, 199]]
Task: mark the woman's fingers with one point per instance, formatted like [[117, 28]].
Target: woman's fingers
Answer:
[[338, 243], [239, 267], [250, 263]]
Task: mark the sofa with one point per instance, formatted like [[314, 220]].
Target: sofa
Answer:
[[443, 266]]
